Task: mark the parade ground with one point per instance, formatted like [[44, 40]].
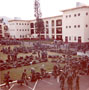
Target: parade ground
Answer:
[[52, 56], [49, 84]]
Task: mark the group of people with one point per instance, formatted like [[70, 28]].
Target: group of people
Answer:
[[24, 77], [67, 75]]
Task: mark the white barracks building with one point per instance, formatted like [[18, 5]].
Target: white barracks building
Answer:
[[76, 24], [22, 29], [72, 26]]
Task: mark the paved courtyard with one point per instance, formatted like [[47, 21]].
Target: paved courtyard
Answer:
[[49, 84]]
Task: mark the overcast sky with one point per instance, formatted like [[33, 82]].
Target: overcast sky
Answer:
[[25, 8]]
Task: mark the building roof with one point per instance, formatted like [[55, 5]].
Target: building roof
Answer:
[[75, 8], [19, 20], [49, 17], [35, 19]]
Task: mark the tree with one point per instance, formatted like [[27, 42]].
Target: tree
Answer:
[[39, 25]]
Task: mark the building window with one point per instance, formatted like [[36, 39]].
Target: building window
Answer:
[[52, 30], [52, 22], [0, 26], [66, 39], [69, 38], [86, 13], [66, 26], [17, 29], [78, 26], [32, 31], [69, 26], [53, 37], [47, 30], [75, 38], [59, 22], [78, 14], [42, 37], [66, 16], [46, 23], [69, 15], [74, 26], [74, 15], [79, 39], [19, 23], [25, 36], [20, 36], [58, 30], [86, 25], [16, 23], [59, 37], [32, 25]]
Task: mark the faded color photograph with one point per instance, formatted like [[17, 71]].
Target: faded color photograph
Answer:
[[44, 44]]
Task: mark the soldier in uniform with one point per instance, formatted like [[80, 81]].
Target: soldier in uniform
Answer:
[[77, 82], [62, 81], [70, 82], [7, 78], [24, 77], [33, 75], [42, 70], [55, 70]]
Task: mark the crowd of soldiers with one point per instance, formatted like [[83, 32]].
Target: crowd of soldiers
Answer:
[[69, 75], [9, 42], [25, 79], [71, 72], [13, 60]]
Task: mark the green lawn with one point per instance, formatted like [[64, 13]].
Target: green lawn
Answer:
[[15, 73]]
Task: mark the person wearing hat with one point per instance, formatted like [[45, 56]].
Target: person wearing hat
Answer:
[[7, 78], [24, 77]]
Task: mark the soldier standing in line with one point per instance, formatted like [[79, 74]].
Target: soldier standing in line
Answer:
[[7, 78], [55, 69], [62, 81], [70, 82], [77, 82], [39, 54], [24, 77]]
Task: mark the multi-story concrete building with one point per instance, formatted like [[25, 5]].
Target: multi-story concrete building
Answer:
[[76, 24], [53, 28], [72, 26], [21, 29]]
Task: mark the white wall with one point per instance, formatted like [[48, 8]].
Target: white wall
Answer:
[[78, 20], [86, 30], [17, 30]]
